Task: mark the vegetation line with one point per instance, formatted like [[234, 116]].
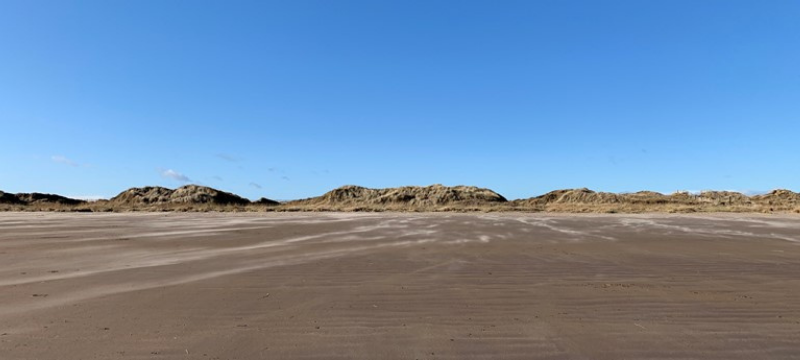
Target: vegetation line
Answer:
[[433, 198]]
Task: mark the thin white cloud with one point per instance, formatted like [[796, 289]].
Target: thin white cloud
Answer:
[[61, 159], [174, 175], [744, 192], [87, 197], [692, 192], [229, 157]]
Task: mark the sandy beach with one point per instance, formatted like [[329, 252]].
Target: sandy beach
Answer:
[[399, 286]]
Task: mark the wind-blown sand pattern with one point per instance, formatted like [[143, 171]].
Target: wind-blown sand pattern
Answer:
[[399, 286]]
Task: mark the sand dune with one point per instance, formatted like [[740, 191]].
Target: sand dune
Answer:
[[189, 194], [415, 198], [422, 197], [36, 199]]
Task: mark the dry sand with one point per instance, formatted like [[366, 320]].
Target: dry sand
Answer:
[[399, 286]]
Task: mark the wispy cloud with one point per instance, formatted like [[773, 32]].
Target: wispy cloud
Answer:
[[754, 192], [218, 178], [744, 192], [174, 175], [87, 197], [229, 157], [257, 186], [61, 159], [286, 178]]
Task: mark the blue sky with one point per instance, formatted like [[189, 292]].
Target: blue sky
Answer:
[[290, 99]]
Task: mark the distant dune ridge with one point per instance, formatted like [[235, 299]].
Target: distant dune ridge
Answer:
[[778, 197], [402, 197], [189, 194], [36, 198], [413, 198], [589, 197]]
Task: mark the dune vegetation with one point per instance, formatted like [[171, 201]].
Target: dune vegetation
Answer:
[[434, 198]]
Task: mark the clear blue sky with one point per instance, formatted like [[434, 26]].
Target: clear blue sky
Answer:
[[290, 99]]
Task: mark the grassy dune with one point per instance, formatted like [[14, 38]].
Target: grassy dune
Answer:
[[434, 198]]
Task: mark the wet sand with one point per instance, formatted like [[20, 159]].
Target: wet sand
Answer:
[[399, 286]]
